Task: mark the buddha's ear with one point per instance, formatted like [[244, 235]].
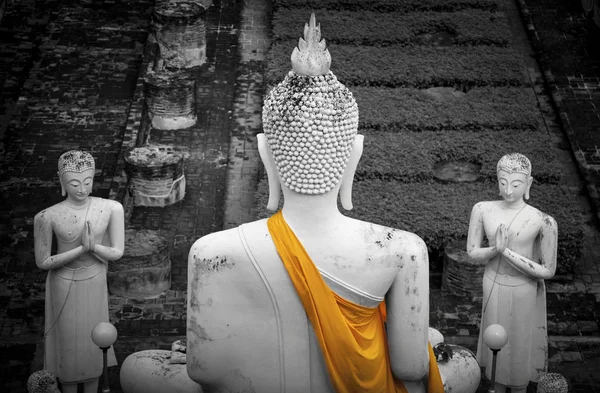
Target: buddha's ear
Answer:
[[348, 177], [63, 192], [529, 183], [269, 162]]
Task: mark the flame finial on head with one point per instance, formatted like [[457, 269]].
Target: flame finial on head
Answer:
[[311, 56]]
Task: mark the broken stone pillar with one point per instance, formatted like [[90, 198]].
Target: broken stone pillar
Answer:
[[155, 175], [145, 268], [462, 275], [170, 99], [180, 30]]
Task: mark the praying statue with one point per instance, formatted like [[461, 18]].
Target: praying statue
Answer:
[[310, 299], [89, 232], [520, 256]]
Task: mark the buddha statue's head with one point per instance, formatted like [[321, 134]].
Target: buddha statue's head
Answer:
[[76, 170], [514, 177], [310, 123], [552, 383], [42, 381]]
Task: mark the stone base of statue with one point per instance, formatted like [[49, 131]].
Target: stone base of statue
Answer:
[[156, 175], [152, 372], [180, 32], [462, 276], [145, 268], [170, 99]]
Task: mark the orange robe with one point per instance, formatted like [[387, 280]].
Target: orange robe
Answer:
[[352, 337]]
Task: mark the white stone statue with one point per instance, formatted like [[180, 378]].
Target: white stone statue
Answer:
[[89, 232], [520, 256], [268, 302]]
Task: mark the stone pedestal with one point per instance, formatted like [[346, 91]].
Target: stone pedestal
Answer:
[[151, 372], [170, 99], [180, 30], [461, 276], [155, 175], [145, 268]]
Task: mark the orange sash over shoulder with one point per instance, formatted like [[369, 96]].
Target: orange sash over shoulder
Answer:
[[352, 337]]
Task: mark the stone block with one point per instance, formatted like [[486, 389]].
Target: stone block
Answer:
[[461, 275], [145, 268], [170, 100], [156, 175], [180, 31]]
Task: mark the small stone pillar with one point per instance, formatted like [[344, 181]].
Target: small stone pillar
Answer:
[[170, 99], [462, 275], [145, 268], [155, 175], [180, 30]]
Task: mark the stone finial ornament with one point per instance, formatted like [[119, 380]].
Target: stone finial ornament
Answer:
[[42, 381], [310, 119], [514, 163], [552, 383], [311, 57]]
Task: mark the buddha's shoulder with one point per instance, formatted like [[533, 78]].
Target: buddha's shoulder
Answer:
[[390, 237], [109, 204], [227, 241], [50, 213], [487, 205], [544, 219]]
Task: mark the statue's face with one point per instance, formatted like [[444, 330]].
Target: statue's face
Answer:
[[512, 186], [78, 186]]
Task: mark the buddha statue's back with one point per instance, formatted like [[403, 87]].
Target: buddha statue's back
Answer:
[[295, 303], [247, 328]]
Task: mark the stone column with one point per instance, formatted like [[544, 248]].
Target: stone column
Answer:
[[170, 99], [462, 275], [180, 30], [145, 268], [156, 175]]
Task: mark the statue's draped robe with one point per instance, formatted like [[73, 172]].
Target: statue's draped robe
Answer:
[[352, 337], [519, 305], [76, 301]]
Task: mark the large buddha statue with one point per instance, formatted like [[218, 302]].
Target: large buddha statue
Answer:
[[89, 232], [297, 302], [521, 254]]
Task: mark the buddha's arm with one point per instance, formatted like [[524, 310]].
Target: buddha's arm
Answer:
[[116, 232], [475, 237], [546, 267], [42, 230], [407, 304]]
